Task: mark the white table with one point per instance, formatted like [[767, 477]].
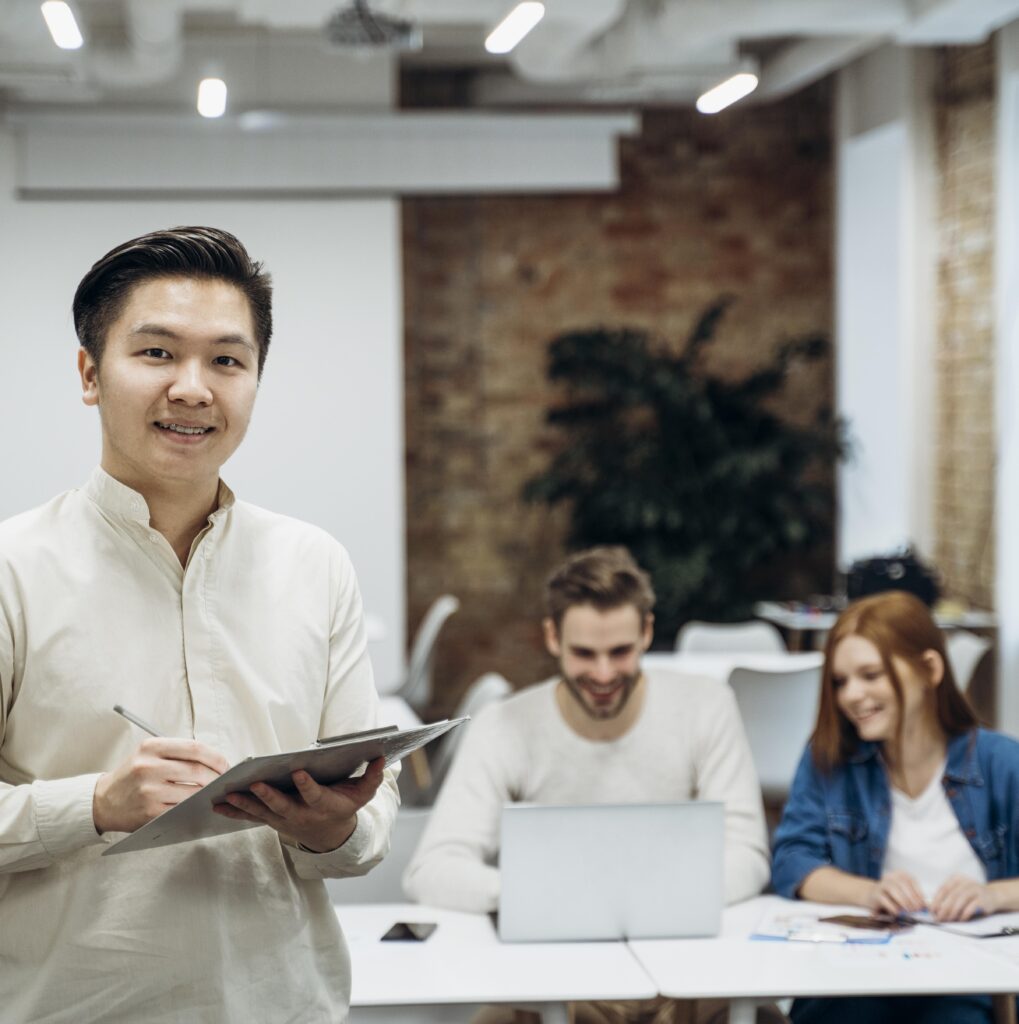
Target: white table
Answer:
[[720, 666], [798, 621], [463, 965], [923, 961]]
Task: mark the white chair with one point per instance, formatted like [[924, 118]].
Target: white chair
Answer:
[[779, 710], [965, 651], [416, 689], [485, 690], [382, 884], [724, 637]]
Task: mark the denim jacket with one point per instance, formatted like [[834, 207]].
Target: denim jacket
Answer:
[[842, 819]]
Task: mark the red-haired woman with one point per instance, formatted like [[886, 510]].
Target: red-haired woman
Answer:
[[900, 802]]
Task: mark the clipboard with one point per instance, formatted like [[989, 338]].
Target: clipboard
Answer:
[[326, 761]]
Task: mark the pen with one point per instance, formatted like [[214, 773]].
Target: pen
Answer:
[[134, 719]]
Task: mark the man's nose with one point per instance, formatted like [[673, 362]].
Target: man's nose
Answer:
[[190, 385], [604, 670]]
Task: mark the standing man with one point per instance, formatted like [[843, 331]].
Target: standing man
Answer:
[[232, 630]]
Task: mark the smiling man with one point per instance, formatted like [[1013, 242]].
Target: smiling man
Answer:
[[602, 731], [233, 631]]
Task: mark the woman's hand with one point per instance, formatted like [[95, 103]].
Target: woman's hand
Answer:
[[961, 898], [895, 893]]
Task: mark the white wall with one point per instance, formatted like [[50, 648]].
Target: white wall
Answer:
[[885, 301], [1007, 334], [326, 442]]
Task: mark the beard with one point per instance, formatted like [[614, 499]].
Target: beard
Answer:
[[621, 688]]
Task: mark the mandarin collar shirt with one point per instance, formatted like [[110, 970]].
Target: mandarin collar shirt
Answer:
[[255, 647]]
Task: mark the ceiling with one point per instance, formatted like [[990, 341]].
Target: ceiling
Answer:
[[275, 54]]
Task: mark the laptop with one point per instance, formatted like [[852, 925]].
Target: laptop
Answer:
[[610, 871]]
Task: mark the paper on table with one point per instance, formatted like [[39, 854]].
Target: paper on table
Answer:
[[788, 925], [194, 818]]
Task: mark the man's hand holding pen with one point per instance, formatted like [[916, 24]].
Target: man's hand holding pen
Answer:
[[158, 775]]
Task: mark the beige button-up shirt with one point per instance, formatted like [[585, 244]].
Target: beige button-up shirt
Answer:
[[257, 646]]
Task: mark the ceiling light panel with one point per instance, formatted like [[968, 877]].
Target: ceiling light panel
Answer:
[[505, 36], [62, 25]]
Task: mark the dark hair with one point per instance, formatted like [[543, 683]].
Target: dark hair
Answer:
[[900, 625], [605, 577], [176, 252]]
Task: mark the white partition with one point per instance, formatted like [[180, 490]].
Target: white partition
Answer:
[[326, 441]]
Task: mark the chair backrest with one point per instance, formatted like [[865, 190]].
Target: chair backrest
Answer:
[[724, 637], [965, 651], [416, 688], [779, 710], [486, 689], [383, 883]]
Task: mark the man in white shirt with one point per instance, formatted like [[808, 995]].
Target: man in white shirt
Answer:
[[602, 731], [231, 630]]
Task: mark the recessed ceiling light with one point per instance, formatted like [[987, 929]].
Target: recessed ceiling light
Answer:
[[514, 27], [211, 97], [727, 92], [60, 21]]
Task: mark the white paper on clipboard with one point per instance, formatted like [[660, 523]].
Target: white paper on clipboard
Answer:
[[194, 818]]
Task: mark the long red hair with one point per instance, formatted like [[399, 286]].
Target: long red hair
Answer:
[[898, 625]]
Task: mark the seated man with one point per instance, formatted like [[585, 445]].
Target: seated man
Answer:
[[602, 731]]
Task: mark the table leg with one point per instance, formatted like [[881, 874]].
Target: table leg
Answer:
[[742, 1011]]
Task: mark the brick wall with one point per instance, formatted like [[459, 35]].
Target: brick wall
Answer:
[[739, 203], [965, 110]]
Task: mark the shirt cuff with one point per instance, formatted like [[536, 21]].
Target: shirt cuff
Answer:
[[63, 813], [343, 860]]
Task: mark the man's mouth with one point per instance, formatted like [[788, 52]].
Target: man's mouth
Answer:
[[183, 428]]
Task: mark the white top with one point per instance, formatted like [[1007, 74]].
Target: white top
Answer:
[[926, 841], [687, 743], [257, 647]]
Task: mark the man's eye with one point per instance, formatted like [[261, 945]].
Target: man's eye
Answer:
[[226, 361], [156, 353]]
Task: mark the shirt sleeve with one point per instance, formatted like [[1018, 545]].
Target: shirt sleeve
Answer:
[[725, 772], [350, 705], [454, 864], [46, 819], [801, 840]]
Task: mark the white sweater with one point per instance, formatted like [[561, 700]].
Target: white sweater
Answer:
[[687, 744]]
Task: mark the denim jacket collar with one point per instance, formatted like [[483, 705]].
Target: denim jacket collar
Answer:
[[961, 764]]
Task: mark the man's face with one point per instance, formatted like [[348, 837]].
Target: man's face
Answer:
[[177, 382], [599, 655]]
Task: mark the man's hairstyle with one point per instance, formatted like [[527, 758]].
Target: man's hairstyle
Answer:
[[898, 625], [189, 252], [605, 577]]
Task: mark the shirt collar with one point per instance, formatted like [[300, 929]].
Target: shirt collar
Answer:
[[120, 500], [961, 763]]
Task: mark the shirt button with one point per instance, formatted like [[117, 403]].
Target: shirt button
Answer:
[[950, 792], [970, 833]]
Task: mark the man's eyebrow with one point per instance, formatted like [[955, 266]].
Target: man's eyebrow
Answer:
[[162, 331]]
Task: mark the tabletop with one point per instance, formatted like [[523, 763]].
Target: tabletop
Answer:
[[804, 618], [463, 961], [921, 961]]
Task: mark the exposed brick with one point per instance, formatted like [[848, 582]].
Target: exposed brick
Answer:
[[740, 203]]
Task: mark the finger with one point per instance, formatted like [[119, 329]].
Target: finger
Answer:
[[252, 807], [175, 749], [310, 791], [236, 814], [279, 803]]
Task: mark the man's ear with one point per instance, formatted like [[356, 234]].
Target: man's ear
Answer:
[[648, 631], [89, 373], [552, 637], [935, 666]]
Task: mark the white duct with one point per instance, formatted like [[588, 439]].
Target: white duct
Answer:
[[155, 46]]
